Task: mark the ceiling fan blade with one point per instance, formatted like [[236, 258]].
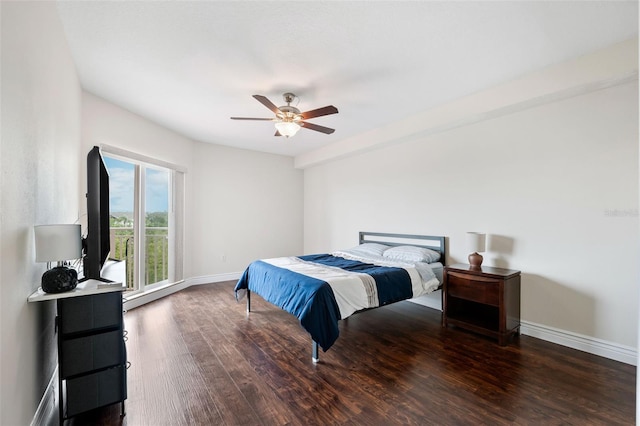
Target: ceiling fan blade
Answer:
[[266, 102], [249, 118], [319, 112], [317, 128]]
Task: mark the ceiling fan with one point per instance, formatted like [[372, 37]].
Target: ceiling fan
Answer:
[[289, 119]]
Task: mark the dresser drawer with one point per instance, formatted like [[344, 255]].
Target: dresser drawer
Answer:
[[89, 313], [90, 353], [96, 390], [476, 289]]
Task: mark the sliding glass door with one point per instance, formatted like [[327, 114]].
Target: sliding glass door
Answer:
[[141, 221], [157, 193]]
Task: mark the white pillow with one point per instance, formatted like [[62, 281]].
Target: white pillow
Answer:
[[367, 249], [412, 254]]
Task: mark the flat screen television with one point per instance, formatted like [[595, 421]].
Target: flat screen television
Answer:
[[97, 242]]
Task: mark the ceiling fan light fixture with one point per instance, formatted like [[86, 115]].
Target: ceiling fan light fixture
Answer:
[[288, 119], [287, 128]]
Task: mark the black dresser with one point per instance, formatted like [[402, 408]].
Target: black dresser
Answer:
[[92, 355]]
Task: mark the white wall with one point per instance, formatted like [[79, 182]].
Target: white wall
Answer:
[[240, 205], [544, 182], [40, 159], [248, 205]]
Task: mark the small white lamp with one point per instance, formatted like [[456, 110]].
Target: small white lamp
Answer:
[[57, 243], [476, 242]]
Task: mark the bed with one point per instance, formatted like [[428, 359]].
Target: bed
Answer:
[[322, 289]]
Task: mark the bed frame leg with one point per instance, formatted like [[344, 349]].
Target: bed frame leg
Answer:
[[314, 352], [248, 301]]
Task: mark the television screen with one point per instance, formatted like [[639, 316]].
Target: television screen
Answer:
[[97, 242]]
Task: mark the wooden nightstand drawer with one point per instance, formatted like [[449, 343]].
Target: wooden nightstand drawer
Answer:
[[477, 289]]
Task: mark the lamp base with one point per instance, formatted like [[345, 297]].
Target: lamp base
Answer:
[[59, 279], [475, 260]]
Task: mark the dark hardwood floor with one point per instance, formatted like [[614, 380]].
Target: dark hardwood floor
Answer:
[[197, 359]]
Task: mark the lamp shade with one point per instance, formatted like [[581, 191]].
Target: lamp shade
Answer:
[[55, 243], [287, 128], [476, 241]]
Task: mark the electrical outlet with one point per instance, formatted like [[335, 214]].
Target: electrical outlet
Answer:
[[223, 257]]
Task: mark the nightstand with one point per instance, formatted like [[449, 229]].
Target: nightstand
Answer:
[[485, 300]]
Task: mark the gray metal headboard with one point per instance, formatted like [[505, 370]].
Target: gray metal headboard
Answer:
[[435, 243]]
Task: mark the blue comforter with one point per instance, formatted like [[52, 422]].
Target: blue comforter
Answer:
[[313, 300]]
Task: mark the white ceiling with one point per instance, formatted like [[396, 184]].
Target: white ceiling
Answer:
[[189, 66]]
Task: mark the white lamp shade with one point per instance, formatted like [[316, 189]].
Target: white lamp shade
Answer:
[[476, 241], [55, 243], [287, 128]]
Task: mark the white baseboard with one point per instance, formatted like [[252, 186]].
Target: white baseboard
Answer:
[[429, 302], [603, 348], [48, 408], [588, 344], [136, 300], [218, 278]]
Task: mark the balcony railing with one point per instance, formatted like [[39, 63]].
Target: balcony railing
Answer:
[[156, 248]]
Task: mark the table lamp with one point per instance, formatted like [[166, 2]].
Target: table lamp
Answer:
[[58, 243], [476, 242]]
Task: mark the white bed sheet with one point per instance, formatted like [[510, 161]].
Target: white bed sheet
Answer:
[[356, 291], [438, 269]]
